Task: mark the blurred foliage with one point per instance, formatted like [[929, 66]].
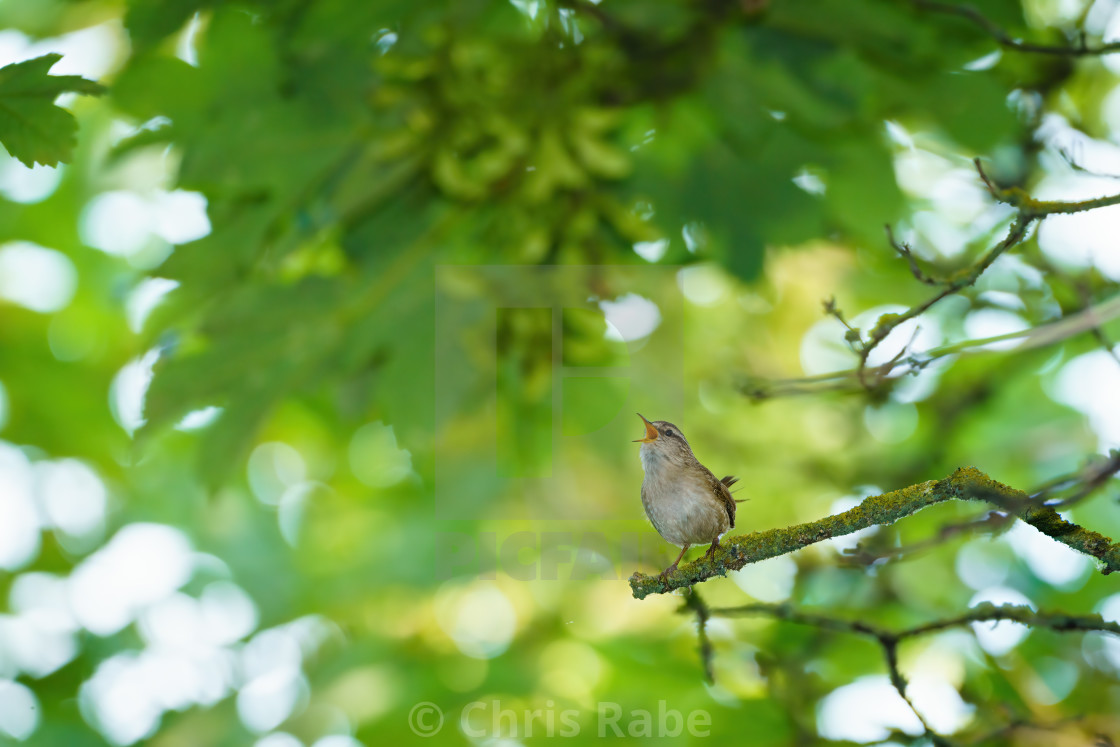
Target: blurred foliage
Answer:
[[419, 483]]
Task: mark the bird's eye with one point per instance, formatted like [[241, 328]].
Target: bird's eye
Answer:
[[670, 433]]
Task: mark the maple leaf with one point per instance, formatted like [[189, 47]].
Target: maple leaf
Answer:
[[32, 128]]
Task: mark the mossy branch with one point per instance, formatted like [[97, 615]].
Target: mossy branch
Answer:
[[967, 483]]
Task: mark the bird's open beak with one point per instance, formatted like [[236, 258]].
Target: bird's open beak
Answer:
[[651, 432]]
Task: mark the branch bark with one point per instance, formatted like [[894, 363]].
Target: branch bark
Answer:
[[967, 483]]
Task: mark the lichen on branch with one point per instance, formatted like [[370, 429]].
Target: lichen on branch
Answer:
[[967, 483]]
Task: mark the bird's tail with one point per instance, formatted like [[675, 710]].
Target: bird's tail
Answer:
[[729, 481]]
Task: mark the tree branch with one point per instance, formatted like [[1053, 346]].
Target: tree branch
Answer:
[[693, 602], [1082, 287], [1029, 210], [1081, 49], [849, 379], [984, 612], [889, 640], [1032, 208], [906, 253], [963, 279], [991, 522], [967, 483], [1087, 481]]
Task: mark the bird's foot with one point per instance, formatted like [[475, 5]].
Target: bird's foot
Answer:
[[664, 575], [712, 549]]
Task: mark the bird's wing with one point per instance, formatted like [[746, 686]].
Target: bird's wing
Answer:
[[722, 494]]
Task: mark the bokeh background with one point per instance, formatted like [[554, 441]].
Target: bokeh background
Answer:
[[338, 308]]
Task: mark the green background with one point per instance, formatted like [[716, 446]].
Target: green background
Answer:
[[400, 273]]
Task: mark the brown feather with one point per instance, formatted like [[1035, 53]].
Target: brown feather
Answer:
[[722, 494]]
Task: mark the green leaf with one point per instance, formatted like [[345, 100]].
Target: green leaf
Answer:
[[32, 128]]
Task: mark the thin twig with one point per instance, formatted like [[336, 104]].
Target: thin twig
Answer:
[[889, 644], [1080, 49], [888, 322], [848, 379], [1071, 161], [1086, 295], [990, 522], [851, 334], [1091, 479], [908, 255], [1029, 210], [693, 602], [1035, 208]]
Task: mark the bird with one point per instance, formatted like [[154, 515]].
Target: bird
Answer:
[[684, 501]]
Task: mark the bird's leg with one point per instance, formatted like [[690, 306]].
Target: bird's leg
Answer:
[[712, 548], [673, 567]]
